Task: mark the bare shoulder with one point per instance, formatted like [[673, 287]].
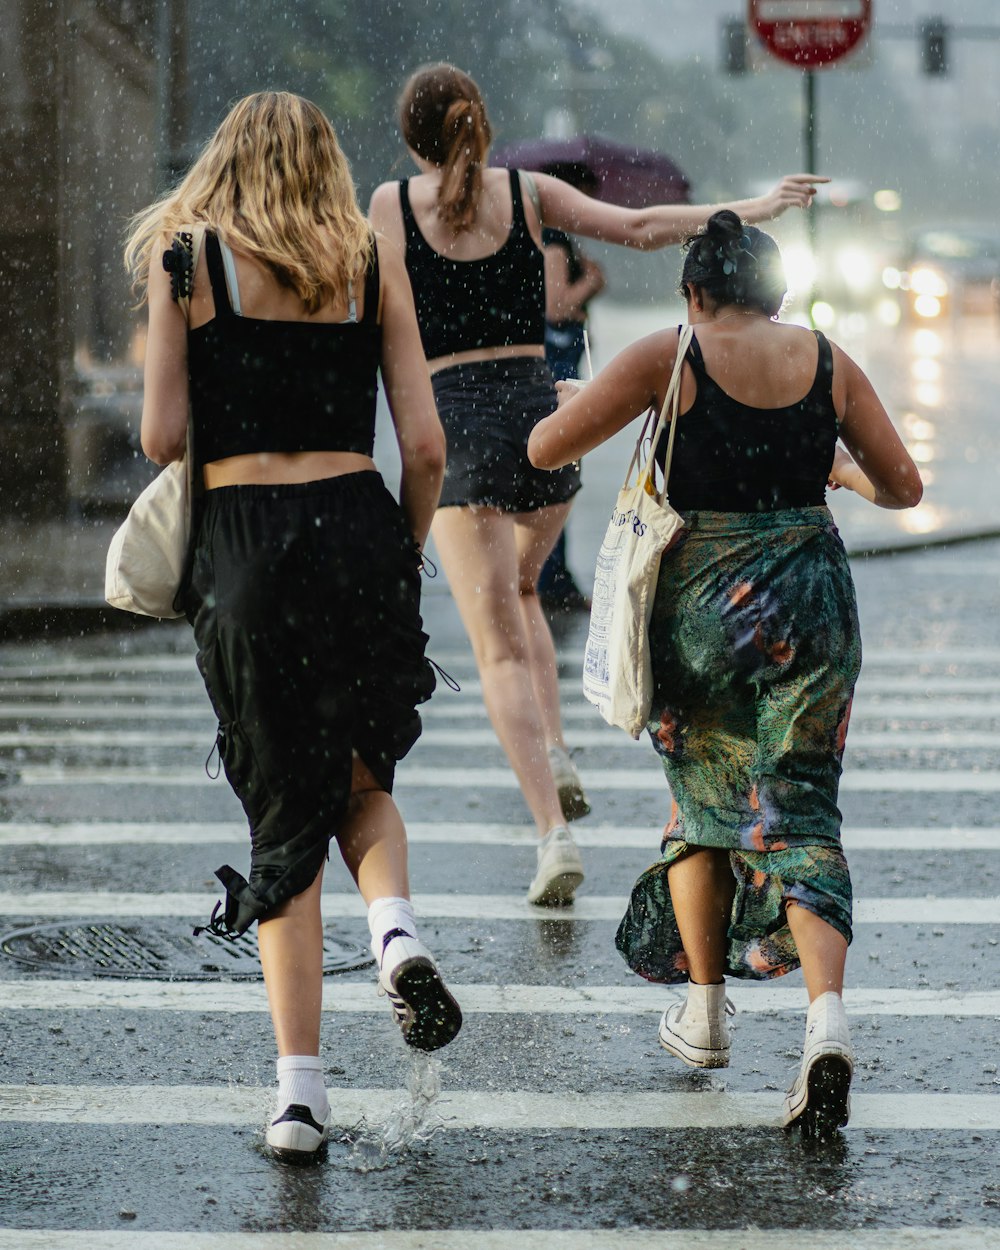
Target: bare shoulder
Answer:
[[390, 262], [384, 207]]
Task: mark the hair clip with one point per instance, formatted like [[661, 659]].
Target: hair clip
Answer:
[[178, 261]]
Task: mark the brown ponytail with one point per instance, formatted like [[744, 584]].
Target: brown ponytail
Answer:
[[443, 119]]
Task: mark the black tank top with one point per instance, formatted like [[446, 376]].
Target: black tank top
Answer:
[[497, 301], [282, 386], [729, 457]]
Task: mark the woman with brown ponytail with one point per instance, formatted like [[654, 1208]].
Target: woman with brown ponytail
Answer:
[[471, 238]]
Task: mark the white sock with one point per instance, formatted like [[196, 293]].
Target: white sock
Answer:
[[386, 914], [300, 1080]]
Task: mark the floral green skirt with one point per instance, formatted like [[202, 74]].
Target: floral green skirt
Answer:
[[756, 649]]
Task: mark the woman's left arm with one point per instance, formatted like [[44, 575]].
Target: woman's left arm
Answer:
[[631, 383], [165, 385], [661, 225]]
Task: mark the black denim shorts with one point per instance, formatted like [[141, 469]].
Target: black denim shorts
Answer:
[[488, 409]]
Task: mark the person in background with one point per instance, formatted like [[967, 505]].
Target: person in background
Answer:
[[755, 649], [295, 305], [471, 239], [571, 282]]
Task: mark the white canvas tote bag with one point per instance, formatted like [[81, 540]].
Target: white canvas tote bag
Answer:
[[617, 671]]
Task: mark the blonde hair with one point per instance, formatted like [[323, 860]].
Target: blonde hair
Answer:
[[443, 119], [275, 184]]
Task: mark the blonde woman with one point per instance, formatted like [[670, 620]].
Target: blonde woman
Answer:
[[304, 584], [471, 238]]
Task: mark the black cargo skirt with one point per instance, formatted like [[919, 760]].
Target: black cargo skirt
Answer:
[[305, 602]]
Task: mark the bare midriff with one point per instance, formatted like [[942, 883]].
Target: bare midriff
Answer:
[[475, 354], [279, 468]]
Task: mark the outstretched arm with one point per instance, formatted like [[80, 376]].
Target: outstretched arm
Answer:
[[649, 228], [628, 386]]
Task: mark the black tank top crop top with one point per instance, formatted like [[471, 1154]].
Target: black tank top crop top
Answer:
[[496, 301], [730, 457], [282, 386]]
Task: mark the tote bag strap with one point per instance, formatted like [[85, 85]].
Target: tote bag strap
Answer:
[[671, 403]]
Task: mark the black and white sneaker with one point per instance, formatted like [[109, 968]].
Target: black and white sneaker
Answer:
[[296, 1134], [425, 1011]]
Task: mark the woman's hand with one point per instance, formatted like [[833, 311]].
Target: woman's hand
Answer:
[[793, 191], [844, 472], [567, 388]]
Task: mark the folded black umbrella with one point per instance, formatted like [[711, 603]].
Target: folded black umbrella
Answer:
[[615, 172]]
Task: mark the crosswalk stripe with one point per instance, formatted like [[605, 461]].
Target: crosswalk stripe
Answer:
[[359, 997], [906, 1238], [649, 779], [507, 1111], [204, 833], [925, 738], [70, 903]]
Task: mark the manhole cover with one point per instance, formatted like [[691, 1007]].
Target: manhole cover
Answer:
[[157, 953]]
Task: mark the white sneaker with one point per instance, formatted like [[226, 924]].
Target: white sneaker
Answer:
[[820, 1095], [424, 1009], [560, 869], [696, 1030], [296, 1134], [572, 799]]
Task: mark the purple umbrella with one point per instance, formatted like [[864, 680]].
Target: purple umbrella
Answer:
[[615, 172]]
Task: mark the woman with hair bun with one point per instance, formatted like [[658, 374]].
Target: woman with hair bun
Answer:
[[755, 649], [471, 239], [272, 334]]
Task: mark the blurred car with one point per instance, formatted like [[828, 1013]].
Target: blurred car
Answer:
[[948, 271]]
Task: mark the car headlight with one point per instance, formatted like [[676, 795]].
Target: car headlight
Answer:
[[857, 268], [924, 281]]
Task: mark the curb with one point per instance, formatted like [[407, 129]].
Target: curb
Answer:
[[24, 621], [910, 546]]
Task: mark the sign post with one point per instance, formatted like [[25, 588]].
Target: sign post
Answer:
[[810, 34]]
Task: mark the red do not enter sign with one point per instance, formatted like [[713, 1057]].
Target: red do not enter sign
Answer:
[[808, 33]]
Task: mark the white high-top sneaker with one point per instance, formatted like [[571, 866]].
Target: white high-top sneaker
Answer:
[[696, 1030], [819, 1098]]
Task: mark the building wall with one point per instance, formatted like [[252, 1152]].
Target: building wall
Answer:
[[79, 109]]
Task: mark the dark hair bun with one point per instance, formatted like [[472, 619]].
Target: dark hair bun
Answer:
[[734, 263], [723, 226]]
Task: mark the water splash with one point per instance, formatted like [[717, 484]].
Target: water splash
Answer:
[[414, 1121]]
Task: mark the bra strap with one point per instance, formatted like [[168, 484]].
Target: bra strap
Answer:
[[234, 287]]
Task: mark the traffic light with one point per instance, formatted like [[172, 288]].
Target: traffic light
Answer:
[[934, 46], [734, 46]]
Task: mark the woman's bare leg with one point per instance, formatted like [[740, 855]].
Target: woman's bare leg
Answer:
[[535, 535], [822, 950], [291, 954], [702, 887], [372, 841], [479, 552]]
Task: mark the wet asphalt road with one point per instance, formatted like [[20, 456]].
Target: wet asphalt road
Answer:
[[133, 1109]]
